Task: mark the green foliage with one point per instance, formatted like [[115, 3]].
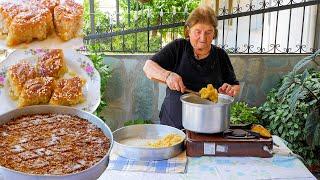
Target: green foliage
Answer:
[[277, 117], [104, 72], [291, 110], [138, 42], [101, 19], [137, 121], [305, 88], [241, 113], [155, 7]]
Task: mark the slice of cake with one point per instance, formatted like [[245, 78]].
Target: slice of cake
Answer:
[[68, 92], [36, 23], [17, 75], [52, 64], [8, 11], [50, 4], [36, 91], [68, 19]]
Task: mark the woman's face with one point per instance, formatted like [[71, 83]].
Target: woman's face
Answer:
[[201, 36]]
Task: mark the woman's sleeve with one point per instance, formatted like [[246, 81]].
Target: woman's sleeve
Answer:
[[227, 69], [167, 56]]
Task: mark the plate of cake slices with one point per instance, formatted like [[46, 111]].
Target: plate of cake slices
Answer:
[[26, 21], [48, 76]]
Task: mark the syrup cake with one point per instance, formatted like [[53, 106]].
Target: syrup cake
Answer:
[[17, 75], [51, 144], [36, 91], [8, 11], [25, 20], [50, 4], [52, 64], [68, 92], [36, 23], [68, 18]]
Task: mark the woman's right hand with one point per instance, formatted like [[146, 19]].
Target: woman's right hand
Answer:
[[174, 82]]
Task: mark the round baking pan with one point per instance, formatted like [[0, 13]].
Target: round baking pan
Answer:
[[91, 173], [146, 131]]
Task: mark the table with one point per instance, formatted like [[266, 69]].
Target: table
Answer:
[[277, 167]]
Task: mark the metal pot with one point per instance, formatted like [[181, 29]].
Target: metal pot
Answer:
[[203, 116], [91, 173]]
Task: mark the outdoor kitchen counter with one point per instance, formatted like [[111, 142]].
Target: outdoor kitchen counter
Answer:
[[277, 167]]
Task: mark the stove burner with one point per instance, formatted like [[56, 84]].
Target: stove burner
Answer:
[[240, 134], [232, 142]]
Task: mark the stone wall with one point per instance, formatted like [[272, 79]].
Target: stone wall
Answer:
[[130, 95]]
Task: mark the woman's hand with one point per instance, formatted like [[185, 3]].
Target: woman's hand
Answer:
[[231, 90], [174, 82]]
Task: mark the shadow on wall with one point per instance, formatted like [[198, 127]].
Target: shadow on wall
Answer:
[[130, 95]]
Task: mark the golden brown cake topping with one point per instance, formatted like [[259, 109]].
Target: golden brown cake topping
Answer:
[[52, 144], [21, 72], [68, 92], [36, 91], [52, 64]]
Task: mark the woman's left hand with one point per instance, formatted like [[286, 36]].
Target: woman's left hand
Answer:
[[231, 90]]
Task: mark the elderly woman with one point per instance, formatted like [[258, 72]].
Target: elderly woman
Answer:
[[191, 63]]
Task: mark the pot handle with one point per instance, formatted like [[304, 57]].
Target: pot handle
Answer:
[[187, 90]]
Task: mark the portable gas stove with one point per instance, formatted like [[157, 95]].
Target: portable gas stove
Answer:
[[232, 142]]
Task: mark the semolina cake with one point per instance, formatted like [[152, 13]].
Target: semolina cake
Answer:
[[8, 11], [27, 20], [50, 4], [17, 75], [52, 64], [36, 91], [68, 92], [36, 23], [51, 144], [68, 17]]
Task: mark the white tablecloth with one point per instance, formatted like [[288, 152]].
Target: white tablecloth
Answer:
[[277, 167]]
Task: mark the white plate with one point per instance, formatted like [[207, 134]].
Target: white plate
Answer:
[[77, 64]]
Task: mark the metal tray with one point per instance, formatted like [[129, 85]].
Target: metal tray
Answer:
[[146, 131], [91, 173]]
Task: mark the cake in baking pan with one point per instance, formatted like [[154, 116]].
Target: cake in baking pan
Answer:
[[51, 144]]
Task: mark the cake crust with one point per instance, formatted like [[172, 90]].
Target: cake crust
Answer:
[[54, 144]]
